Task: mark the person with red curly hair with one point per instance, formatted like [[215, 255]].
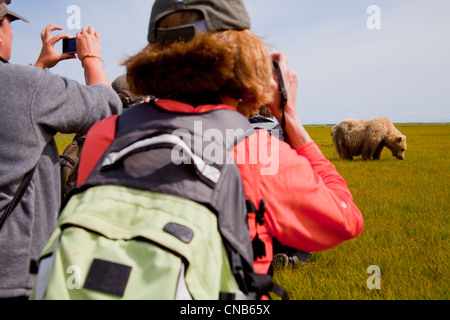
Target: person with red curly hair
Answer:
[[201, 57]]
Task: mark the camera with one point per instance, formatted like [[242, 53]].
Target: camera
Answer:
[[69, 45]]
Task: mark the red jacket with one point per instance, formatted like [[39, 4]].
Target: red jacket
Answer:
[[309, 206]]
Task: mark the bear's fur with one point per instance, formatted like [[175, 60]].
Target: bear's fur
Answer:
[[354, 137]]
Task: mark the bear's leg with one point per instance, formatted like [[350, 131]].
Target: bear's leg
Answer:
[[337, 146], [367, 152], [344, 153], [377, 153]]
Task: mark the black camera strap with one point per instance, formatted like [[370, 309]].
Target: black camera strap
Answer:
[[283, 92]]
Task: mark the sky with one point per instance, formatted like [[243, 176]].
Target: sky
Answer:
[[354, 58]]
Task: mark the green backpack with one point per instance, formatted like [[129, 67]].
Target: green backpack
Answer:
[[145, 245], [144, 226]]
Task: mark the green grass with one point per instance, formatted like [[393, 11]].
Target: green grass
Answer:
[[63, 140], [405, 206]]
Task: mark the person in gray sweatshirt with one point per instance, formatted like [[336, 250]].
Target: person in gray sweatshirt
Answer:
[[35, 105]]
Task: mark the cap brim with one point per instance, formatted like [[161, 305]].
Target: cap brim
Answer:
[[14, 16]]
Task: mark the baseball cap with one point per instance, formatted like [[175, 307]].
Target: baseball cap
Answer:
[[120, 85], [219, 15], [4, 11]]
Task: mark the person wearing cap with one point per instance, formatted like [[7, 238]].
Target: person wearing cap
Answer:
[[122, 88], [34, 105], [202, 56]]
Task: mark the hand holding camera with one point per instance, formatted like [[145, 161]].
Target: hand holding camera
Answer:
[[284, 85], [283, 106], [49, 56]]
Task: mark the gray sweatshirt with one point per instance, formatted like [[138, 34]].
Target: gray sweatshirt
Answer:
[[34, 105]]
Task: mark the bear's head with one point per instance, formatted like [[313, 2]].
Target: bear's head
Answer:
[[398, 148]]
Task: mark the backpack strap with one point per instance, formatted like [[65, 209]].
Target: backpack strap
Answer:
[[259, 248], [262, 283], [265, 285], [207, 173], [17, 196], [104, 132]]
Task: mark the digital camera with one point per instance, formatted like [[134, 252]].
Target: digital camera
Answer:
[[69, 45]]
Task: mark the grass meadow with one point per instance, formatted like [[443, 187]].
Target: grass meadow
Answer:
[[405, 206]]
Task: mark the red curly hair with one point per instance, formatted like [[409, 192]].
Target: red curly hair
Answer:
[[230, 63]]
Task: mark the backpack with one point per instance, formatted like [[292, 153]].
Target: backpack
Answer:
[[69, 161], [70, 158], [158, 217]]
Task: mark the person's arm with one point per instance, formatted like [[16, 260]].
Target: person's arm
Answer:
[[309, 204], [49, 56], [89, 52]]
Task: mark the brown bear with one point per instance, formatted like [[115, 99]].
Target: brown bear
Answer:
[[354, 137]]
